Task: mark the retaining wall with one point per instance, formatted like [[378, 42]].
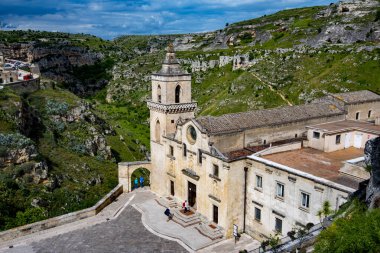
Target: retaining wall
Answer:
[[63, 219], [24, 86]]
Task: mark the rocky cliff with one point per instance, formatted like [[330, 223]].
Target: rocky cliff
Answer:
[[372, 159], [59, 62]]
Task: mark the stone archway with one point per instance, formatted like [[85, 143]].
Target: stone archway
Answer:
[[137, 174], [126, 170]]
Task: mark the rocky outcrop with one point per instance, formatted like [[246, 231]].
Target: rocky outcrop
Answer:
[[372, 159], [93, 129], [57, 61], [16, 149]]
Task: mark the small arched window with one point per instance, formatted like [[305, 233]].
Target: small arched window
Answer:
[[158, 132], [177, 94], [159, 94]]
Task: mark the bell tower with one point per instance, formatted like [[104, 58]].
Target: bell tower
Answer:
[[171, 98]]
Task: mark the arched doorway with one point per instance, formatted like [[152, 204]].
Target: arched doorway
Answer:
[[177, 94], [143, 178], [157, 134]]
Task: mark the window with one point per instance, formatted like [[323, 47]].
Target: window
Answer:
[[257, 214], [11, 79], [171, 150], [159, 94], [259, 181], [357, 115], [369, 113], [216, 170], [158, 131], [305, 200], [296, 135], [316, 135], [184, 150], [177, 94], [172, 121], [337, 139], [278, 225], [265, 142], [280, 190], [200, 156]]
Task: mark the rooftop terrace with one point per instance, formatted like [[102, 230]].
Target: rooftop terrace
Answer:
[[347, 125], [319, 163]]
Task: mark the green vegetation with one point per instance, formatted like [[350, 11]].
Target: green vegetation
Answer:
[[277, 68], [75, 180], [357, 231]]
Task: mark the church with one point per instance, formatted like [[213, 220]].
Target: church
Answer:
[[265, 171]]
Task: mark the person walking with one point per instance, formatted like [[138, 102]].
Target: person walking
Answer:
[[187, 207], [184, 206], [136, 183], [141, 181]]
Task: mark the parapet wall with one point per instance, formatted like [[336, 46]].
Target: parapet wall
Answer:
[[63, 219], [25, 86]]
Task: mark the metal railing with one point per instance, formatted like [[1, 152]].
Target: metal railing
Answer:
[[287, 243]]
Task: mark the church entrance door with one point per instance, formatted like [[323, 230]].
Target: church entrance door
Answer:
[[192, 194], [171, 188]]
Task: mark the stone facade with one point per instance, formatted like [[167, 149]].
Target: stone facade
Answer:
[[213, 161]]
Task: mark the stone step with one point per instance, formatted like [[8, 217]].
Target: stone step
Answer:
[[212, 233], [193, 218], [167, 202], [185, 223], [185, 220]]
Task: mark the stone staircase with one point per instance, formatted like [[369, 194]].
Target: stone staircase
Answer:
[[210, 230], [185, 220], [167, 202]]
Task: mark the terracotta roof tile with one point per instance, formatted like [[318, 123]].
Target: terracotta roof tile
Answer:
[[247, 120], [357, 96]]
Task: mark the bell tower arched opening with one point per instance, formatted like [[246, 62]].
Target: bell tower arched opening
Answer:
[[158, 132], [159, 94], [177, 94]]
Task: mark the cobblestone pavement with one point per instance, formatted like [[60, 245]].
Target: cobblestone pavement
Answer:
[[125, 233]]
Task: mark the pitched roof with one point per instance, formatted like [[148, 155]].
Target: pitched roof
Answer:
[[236, 122], [356, 96]]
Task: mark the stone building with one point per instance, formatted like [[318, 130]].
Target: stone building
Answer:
[[262, 170], [1, 59]]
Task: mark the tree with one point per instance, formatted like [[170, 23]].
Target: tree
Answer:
[[324, 212], [274, 241], [301, 232], [227, 24]]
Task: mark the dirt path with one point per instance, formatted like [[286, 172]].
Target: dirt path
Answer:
[[272, 89]]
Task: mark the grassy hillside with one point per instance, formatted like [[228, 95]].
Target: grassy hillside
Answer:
[[286, 58]]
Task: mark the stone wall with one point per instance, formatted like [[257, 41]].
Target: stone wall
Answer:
[[63, 219], [363, 109], [288, 208], [25, 86]]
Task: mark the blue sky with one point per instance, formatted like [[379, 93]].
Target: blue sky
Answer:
[[111, 18]]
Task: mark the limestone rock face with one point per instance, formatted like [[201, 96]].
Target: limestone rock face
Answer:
[[372, 159], [40, 172], [16, 149]]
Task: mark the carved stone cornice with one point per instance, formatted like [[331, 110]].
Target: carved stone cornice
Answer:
[[172, 108]]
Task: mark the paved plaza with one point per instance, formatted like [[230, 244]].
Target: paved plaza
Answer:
[[133, 223]]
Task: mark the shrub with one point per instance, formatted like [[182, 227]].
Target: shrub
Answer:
[[15, 141], [56, 108]]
